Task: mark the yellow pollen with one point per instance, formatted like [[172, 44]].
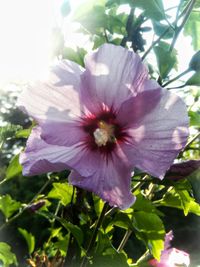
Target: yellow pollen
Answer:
[[104, 134]]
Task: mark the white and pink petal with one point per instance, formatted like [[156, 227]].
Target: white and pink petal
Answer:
[[153, 145], [111, 181], [56, 99], [112, 75]]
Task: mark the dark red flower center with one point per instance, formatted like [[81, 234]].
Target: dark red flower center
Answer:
[[103, 131]]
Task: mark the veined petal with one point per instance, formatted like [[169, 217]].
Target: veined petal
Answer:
[[58, 98], [62, 134], [40, 157], [112, 75], [160, 136], [111, 182], [133, 110]]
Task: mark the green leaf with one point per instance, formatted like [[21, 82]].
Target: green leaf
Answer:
[[30, 239], [98, 205], [194, 80], [151, 230], [187, 202], [8, 206], [160, 28], [76, 56], [96, 20], [192, 28], [6, 256], [24, 133], [14, 168], [8, 131], [73, 229], [98, 41], [143, 204], [166, 60], [114, 259], [153, 8], [121, 220], [180, 199], [62, 244], [85, 8], [194, 63], [194, 118], [63, 192]]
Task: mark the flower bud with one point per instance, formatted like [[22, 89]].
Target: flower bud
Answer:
[[195, 62]]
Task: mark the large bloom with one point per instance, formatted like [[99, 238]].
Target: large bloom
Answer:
[[101, 122], [171, 257]]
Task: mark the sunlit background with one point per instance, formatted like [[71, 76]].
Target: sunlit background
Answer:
[[26, 37], [25, 33]]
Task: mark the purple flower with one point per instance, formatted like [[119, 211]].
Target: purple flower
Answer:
[[101, 122], [171, 257]]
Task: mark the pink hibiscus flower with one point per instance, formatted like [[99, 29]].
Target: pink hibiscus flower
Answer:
[[101, 122], [171, 257]]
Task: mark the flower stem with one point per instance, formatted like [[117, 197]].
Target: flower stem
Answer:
[[155, 42], [124, 240], [177, 77], [94, 235], [192, 140], [140, 183], [179, 29], [24, 208]]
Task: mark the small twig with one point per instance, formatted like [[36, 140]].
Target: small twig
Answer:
[[177, 87], [177, 77], [155, 42], [179, 28], [27, 206], [139, 184], [192, 140], [124, 240]]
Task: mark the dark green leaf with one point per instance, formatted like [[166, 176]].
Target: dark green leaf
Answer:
[[194, 80], [73, 229], [30, 239], [8, 206], [14, 168], [115, 259], [122, 220], [195, 62], [6, 256], [160, 28]]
